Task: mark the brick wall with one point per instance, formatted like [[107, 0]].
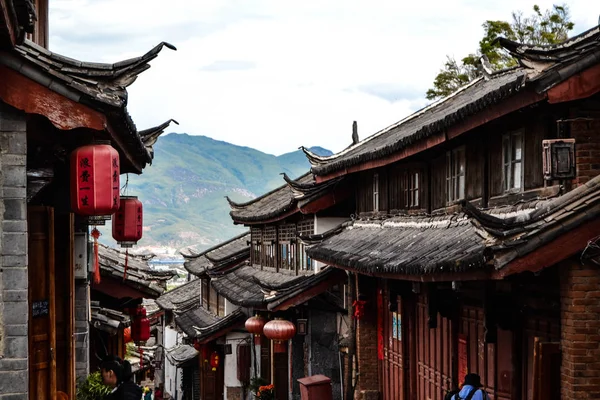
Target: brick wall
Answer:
[[587, 137], [580, 331], [13, 255], [366, 342]]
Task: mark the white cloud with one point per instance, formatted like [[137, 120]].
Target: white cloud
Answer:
[[275, 75]]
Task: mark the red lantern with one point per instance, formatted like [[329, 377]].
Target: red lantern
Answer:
[[95, 180], [127, 335], [214, 360], [140, 328], [279, 331], [255, 326], [127, 222]]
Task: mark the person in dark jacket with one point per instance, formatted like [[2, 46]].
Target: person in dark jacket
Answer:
[[116, 373]]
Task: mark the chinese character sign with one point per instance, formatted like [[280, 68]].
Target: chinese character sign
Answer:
[[95, 180]]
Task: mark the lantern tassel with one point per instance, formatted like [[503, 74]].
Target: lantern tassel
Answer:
[[96, 234], [126, 262], [141, 357]]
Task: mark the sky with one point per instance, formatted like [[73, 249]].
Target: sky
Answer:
[[276, 74]]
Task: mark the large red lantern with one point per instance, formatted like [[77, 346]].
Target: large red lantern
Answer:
[[140, 328], [279, 331], [95, 180], [127, 221], [214, 360], [255, 326]]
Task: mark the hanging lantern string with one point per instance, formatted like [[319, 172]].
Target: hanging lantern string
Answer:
[[96, 234], [125, 186], [126, 262], [141, 357]]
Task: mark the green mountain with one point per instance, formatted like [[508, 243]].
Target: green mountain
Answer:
[[184, 190]]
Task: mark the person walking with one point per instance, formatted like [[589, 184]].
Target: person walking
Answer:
[[471, 389], [116, 374]]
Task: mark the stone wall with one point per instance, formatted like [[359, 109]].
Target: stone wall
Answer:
[[13, 255], [82, 330]]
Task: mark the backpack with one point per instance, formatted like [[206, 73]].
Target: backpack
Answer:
[[451, 394]]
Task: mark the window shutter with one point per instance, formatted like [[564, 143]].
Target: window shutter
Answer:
[[558, 158]]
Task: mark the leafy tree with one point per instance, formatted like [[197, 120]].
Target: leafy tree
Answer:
[[540, 28]]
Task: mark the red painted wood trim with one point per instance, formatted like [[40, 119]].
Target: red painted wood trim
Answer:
[[494, 112], [481, 274], [402, 154], [330, 198], [270, 220], [33, 98], [520, 101], [8, 23], [557, 250], [117, 289], [336, 277], [221, 332], [579, 86]]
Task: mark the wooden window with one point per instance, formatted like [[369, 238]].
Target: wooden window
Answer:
[[305, 228], [220, 306], [376, 192], [269, 256], [512, 158], [287, 247], [411, 183], [256, 240], [205, 292], [455, 175], [214, 301]]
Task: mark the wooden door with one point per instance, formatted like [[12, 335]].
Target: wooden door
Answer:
[[42, 335], [212, 382], [280, 375], [395, 362], [434, 355], [546, 366], [64, 306]]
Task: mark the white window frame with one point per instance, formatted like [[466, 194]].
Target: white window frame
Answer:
[[510, 163]]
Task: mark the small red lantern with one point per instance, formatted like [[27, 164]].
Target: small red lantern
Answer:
[[279, 331], [127, 222], [127, 335], [95, 180], [255, 326], [140, 328], [214, 360]]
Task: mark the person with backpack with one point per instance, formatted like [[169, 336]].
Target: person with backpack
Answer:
[[117, 374], [471, 390]]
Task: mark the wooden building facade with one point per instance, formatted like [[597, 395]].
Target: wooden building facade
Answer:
[[475, 237], [50, 105]]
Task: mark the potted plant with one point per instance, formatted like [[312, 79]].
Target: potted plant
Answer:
[[266, 392], [92, 388]]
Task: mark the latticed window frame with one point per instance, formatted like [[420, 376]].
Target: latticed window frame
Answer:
[[305, 228], [287, 246], [256, 238]]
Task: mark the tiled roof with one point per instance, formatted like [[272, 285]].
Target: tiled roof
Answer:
[[541, 67], [472, 239], [201, 324], [139, 275], [181, 298], [101, 86], [248, 286], [181, 354], [405, 245], [272, 205], [230, 253], [108, 320]]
